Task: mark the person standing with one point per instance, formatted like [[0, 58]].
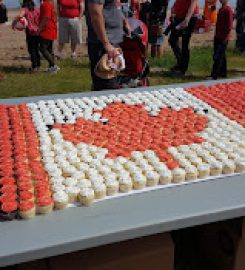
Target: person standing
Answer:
[[145, 8], [105, 33], [48, 33], [69, 12], [184, 17], [135, 5], [240, 26], [156, 26], [3, 12], [31, 13], [222, 35]]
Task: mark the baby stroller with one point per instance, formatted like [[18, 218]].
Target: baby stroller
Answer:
[[134, 51]]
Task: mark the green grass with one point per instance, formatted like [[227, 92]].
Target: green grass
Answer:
[[199, 68], [74, 75]]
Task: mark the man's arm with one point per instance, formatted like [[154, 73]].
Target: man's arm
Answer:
[[126, 25], [81, 8], [98, 23], [58, 9], [189, 14]]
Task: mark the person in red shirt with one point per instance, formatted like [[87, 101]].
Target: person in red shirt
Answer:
[[222, 35], [48, 33], [183, 17], [70, 12]]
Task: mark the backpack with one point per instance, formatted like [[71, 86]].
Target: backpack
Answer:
[[3, 14], [33, 21]]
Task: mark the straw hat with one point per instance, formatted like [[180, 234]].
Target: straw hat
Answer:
[[104, 70]]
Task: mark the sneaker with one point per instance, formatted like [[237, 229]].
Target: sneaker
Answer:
[[175, 67], [177, 73], [53, 70], [211, 78], [57, 55], [33, 70], [73, 55]]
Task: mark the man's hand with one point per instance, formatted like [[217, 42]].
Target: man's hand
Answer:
[[111, 51], [183, 24]]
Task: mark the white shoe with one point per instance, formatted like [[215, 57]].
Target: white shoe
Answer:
[[57, 55], [53, 70], [73, 55]]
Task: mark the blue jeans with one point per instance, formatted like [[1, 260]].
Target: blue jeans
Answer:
[[219, 57], [182, 53]]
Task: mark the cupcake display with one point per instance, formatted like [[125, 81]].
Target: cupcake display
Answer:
[[56, 153]]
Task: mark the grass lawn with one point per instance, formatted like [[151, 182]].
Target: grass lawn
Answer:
[[74, 75]]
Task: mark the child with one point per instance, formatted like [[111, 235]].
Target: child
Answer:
[[156, 24], [31, 13], [222, 34], [3, 12], [48, 33]]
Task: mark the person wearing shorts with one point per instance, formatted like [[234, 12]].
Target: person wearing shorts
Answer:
[[156, 26], [70, 12]]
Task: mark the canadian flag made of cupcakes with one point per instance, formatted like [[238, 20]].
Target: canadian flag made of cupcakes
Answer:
[[75, 151]]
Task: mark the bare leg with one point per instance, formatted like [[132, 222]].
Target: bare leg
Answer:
[[159, 51], [60, 49], [153, 50], [73, 48]]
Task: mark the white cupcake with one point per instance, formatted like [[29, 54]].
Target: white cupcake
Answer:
[[165, 177], [99, 190], [69, 171], [196, 161], [107, 161], [116, 167], [112, 187], [215, 168], [70, 182], [61, 199], [86, 196], [203, 170], [240, 165], [73, 192], [136, 155], [191, 173], [228, 166], [56, 181], [84, 184], [125, 184], [79, 175], [178, 175], [152, 179], [104, 170], [121, 160], [57, 187], [139, 181]]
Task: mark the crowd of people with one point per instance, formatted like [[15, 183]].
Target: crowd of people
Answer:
[[107, 23]]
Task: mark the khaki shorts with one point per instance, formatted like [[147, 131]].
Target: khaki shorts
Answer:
[[69, 30]]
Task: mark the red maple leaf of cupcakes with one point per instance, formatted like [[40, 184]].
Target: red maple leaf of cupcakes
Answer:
[[131, 128]]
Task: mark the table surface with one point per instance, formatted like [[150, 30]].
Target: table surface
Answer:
[[120, 219]]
